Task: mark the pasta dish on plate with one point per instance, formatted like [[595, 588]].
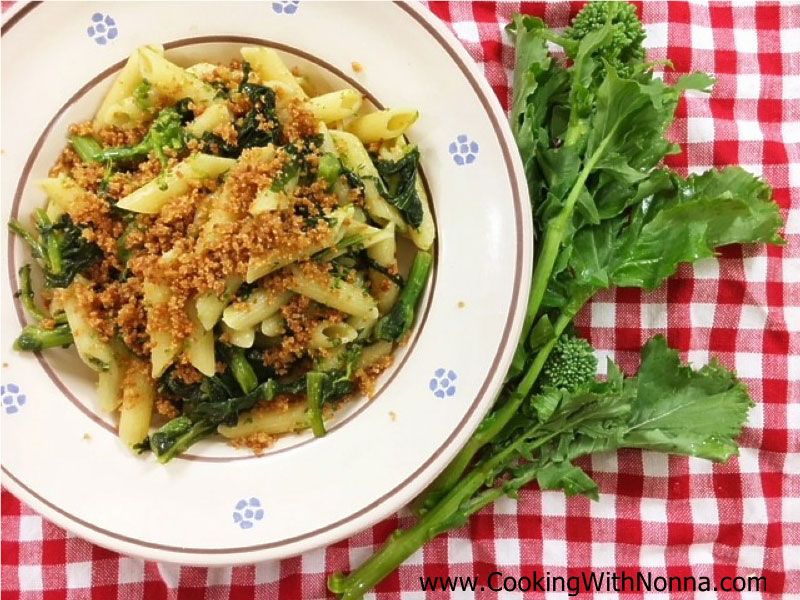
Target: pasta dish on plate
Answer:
[[220, 245]]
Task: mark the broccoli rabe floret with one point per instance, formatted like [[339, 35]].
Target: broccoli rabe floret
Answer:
[[571, 364], [625, 46]]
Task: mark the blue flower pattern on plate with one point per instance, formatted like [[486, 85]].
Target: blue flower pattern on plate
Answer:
[[13, 400], [247, 512], [464, 150], [443, 383], [286, 7], [103, 28]]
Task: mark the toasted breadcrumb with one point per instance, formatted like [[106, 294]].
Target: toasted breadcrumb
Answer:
[[258, 442]]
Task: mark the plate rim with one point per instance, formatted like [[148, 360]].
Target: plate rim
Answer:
[[405, 490]]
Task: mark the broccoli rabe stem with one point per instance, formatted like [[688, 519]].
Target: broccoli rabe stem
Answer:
[[445, 515], [495, 421], [35, 338], [87, 147], [398, 321], [26, 293], [314, 381], [554, 235], [242, 370]]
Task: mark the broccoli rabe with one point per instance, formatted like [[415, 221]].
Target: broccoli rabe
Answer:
[[165, 136], [35, 338], [624, 48], [60, 248], [398, 321], [571, 364]]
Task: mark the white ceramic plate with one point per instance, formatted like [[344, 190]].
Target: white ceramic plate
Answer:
[[61, 455]]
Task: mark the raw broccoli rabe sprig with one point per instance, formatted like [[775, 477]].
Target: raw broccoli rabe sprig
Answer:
[[396, 323], [624, 49], [60, 248], [166, 136]]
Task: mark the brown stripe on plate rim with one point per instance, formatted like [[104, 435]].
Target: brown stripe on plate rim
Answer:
[[495, 363]]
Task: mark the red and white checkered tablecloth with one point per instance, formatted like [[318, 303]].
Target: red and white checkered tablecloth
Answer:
[[668, 516]]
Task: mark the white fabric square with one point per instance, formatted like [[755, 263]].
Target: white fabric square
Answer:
[[655, 464], [467, 31], [270, 571], [793, 414], [603, 555], [745, 40], [790, 510], [794, 177], [604, 314], [790, 132], [654, 316], [30, 528], [507, 551], [702, 37], [748, 460], [751, 557], [791, 270], [605, 462], [131, 570], [222, 576], [554, 553], [702, 314], [699, 466], [701, 554], [459, 551], [699, 129], [313, 561], [603, 356], [790, 40], [792, 222], [791, 87], [604, 508], [755, 510], [708, 268], [793, 322], [653, 509], [704, 510], [749, 131], [749, 364], [748, 85], [30, 577], [791, 558], [755, 418], [753, 317], [652, 556], [656, 34], [697, 358], [755, 268], [553, 504], [505, 506], [417, 558], [79, 575]]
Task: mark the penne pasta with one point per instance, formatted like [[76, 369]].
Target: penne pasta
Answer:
[[170, 80], [270, 67], [124, 85], [383, 288], [213, 116], [338, 294], [249, 312], [273, 420], [96, 353], [383, 124], [274, 325], [153, 195], [335, 106], [136, 409], [329, 334]]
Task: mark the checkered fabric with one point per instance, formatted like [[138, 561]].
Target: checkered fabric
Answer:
[[671, 516]]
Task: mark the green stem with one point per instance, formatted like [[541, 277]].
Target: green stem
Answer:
[[494, 423], [314, 393], [242, 370], [26, 293], [445, 515], [87, 148]]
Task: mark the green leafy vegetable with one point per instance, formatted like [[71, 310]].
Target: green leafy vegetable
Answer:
[[165, 136], [591, 134], [60, 248], [35, 338], [143, 95], [638, 412], [399, 187]]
